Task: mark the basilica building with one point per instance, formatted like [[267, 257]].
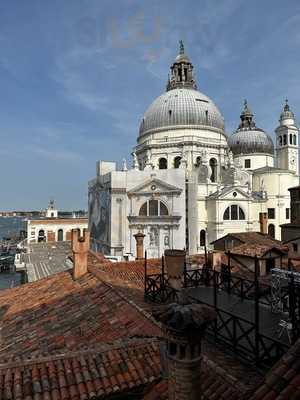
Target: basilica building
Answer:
[[191, 183]]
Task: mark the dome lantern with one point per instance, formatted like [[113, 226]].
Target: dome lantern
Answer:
[[181, 72], [287, 116], [246, 117], [182, 106]]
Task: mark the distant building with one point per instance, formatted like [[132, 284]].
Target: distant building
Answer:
[[53, 228], [291, 232], [190, 182]]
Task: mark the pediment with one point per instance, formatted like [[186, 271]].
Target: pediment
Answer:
[[230, 193], [234, 194], [154, 186]]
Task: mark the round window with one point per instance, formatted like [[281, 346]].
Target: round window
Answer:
[[234, 194]]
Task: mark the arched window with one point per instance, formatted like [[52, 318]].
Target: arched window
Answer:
[[60, 235], [284, 139], [291, 138], [177, 162], [295, 140], [202, 237], [234, 213], [213, 166], [153, 208], [41, 235], [198, 161], [271, 230], [280, 140], [163, 163]]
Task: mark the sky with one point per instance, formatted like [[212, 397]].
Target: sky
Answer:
[[77, 76]]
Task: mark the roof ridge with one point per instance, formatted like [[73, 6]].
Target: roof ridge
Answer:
[[99, 348]]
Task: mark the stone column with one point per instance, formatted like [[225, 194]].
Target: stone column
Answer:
[[80, 248], [184, 327], [139, 237], [120, 235]]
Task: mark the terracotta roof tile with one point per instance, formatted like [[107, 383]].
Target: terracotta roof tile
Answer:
[[256, 249], [283, 380], [59, 313], [75, 375]]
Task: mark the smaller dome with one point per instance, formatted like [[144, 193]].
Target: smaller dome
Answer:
[[251, 141], [248, 138]]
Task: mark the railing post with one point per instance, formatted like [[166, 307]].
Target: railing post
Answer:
[[205, 255], [145, 273], [242, 289], [184, 275], [215, 289], [163, 271], [256, 315], [229, 273], [292, 306]]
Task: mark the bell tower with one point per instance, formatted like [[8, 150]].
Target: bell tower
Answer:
[[287, 139]]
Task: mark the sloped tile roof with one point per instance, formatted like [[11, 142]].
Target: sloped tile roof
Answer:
[[251, 237], [129, 273], [76, 333], [58, 312], [282, 382], [255, 249], [102, 371]]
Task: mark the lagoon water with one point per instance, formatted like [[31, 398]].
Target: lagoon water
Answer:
[[9, 280], [10, 226]]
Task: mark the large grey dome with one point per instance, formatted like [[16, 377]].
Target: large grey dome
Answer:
[[248, 138], [180, 108]]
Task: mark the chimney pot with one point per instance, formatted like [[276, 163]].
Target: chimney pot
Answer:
[[175, 260], [139, 237], [263, 221], [184, 327]]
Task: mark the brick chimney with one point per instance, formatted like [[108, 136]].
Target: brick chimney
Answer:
[[174, 260], [263, 221], [184, 327], [139, 237], [80, 248]]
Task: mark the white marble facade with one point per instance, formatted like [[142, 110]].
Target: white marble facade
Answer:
[[190, 183]]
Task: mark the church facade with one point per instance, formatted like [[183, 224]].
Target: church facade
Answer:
[[191, 183]]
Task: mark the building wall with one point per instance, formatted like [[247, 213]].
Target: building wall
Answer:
[[249, 262], [189, 143], [276, 185], [52, 226], [126, 192], [256, 160]]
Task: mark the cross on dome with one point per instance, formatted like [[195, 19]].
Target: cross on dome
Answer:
[[181, 47]]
